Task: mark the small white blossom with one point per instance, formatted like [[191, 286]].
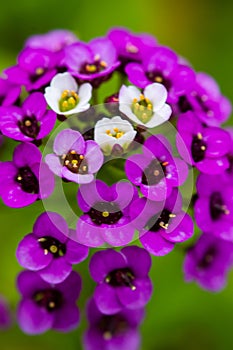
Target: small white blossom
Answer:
[[114, 131], [65, 97], [148, 108]]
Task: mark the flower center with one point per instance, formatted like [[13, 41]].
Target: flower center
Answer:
[[27, 180], [69, 100], [121, 277], [75, 162], [49, 299], [130, 48], [208, 258], [53, 246], [107, 213], [217, 207], [29, 126], [154, 172], [198, 148], [158, 77], [96, 66], [142, 108], [160, 221], [112, 325], [115, 133]]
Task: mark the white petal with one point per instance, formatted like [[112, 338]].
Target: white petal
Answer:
[[64, 81], [160, 117], [52, 96], [157, 94], [127, 94], [126, 139], [84, 93]]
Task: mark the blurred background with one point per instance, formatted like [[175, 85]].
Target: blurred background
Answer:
[[179, 316]]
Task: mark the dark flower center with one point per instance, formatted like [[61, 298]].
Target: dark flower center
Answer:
[[75, 162], [39, 72], [121, 277], [29, 126], [50, 299], [96, 66], [112, 325], [208, 258], [158, 77], [184, 104], [160, 221], [107, 213], [201, 100], [53, 246], [27, 179], [217, 206], [198, 148], [154, 172]]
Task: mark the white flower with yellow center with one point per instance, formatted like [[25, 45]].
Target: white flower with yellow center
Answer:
[[65, 97], [114, 131], [148, 108]]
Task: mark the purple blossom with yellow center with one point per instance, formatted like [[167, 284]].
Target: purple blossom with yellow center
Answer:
[[50, 249], [74, 158], [208, 262], [118, 331], [204, 147], [161, 224], [156, 171], [47, 306], [32, 121], [26, 178], [122, 279], [106, 213]]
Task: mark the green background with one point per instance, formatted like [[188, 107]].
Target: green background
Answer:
[[179, 316]]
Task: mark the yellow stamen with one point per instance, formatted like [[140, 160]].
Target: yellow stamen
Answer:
[[39, 71], [71, 101], [107, 335], [46, 251], [27, 123], [103, 64], [156, 172], [52, 304], [158, 79], [105, 214], [135, 100], [116, 129], [19, 178], [53, 249], [91, 68], [199, 136], [64, 104], [72, 151], [81, 157], [65, 93], [165, 163]]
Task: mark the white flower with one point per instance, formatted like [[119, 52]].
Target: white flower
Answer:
[[64, 97], [147, 108], [114, 131]]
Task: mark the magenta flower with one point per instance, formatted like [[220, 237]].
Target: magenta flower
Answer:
[[26, 178], [9, 93], [75, 159], [106, 213], [5, 314], [204, 147], [49, 249], [93, 62], [162, 66], [46, 306], [213, 210], [122, 279], [35, 69], [156, 171], [161, 225], [208, 262], [206, 101], [130, 46], [118, 331], [30, 122]]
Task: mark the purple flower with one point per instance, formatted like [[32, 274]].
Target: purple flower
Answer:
[[122, 279], [49, 249], [162, 66], [208, 262], [26, 178], [5, 316], [106, 213], [45, 306], [118, 331], [204, 147], [161, 225], [93, 62], [35, 68], [156, 171], [206, 100], [53, 41], [30, 122], [131, 47], [9, 93], [213, 210], [75, 159]]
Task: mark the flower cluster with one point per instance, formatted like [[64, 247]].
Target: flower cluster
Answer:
[[129, 171]]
